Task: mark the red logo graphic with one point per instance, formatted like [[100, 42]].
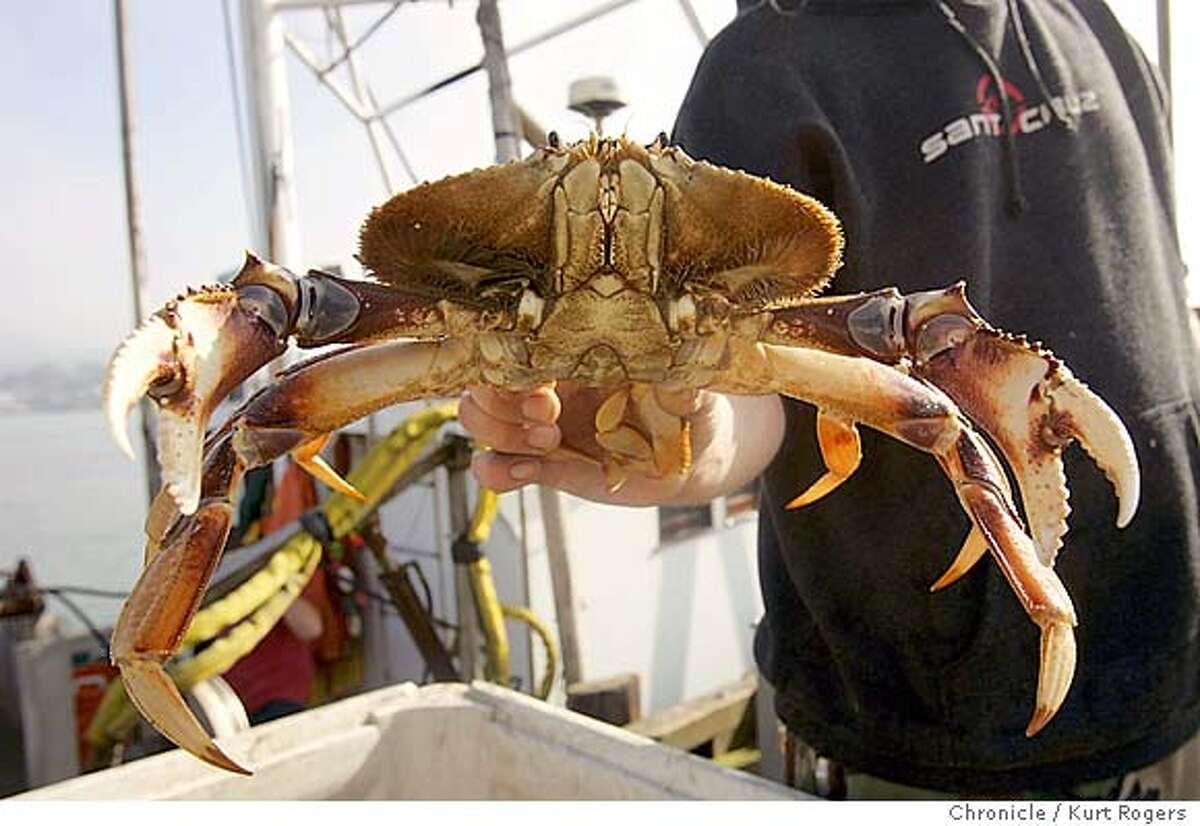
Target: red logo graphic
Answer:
[[988, 98]]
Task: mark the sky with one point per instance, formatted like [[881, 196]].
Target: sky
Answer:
[[62, 224]]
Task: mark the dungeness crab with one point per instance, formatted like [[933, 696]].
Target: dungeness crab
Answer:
[[631, 268]]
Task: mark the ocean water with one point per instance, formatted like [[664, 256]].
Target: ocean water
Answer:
[[72, 503]]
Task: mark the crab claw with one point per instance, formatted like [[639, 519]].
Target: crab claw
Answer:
[[189, 355], [141, 362], [1028, 402]]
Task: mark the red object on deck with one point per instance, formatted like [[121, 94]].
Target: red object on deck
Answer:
[[90, 684], [280, 668]]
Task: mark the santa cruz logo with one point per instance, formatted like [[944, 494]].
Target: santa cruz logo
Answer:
[[988, 97], [988, 120]]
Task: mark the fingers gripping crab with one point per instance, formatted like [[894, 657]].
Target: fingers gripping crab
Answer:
[[634, 269]]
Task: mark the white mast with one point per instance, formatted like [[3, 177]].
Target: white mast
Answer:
[[272, 170]]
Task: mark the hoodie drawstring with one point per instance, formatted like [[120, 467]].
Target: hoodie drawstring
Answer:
[[1068, 121], [1012, 171]]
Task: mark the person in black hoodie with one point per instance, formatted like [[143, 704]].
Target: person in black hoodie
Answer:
[[1020, 145]]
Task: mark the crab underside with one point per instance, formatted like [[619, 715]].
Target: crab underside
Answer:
[[630, 268]]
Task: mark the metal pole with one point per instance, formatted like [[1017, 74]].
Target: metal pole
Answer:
[[470, 666], [504, 124], [390, 134], [560, 580], [305, 56], [136, 256], [408, 604], [504, 127], [526, 590], [1164, 50], [536, 40], [375, 132], [693, 19], [364, 111]]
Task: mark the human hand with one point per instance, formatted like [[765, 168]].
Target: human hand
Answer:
[[524, 430]]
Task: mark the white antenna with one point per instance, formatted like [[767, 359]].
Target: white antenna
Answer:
[[595, 97]]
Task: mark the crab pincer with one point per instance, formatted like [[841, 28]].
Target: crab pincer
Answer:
[[1032, 407], [1029, 402], [965, 375], [189, 356]]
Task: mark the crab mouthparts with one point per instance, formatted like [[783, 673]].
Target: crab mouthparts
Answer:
[[601, 364]]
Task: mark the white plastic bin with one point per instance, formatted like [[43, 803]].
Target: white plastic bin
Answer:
[[440, 742]]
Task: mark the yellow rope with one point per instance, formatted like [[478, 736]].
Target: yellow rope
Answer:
[[258, 589], [246, 635], [525, 615], [486, 509], [374, 477], [491, 618]]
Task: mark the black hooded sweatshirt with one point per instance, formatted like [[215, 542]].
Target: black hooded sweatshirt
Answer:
[[889, 112]]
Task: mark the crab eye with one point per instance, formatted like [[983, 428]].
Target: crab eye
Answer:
[[681, 314], [529, 311]]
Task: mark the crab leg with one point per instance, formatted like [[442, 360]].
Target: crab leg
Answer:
[[972, 551], [179, 561], [308, 456], [310, 401], [841, 449], [1038, 588], [193, 352], [852, 389]]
